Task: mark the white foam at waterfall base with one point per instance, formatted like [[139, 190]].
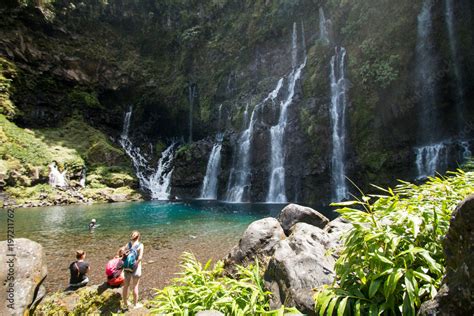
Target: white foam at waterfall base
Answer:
[[56, 178], [209, 185], [431, 159], [159, 182]]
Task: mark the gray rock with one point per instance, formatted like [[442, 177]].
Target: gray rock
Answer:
[[259, 240], [299, 264], [27, 263], [336, 229], [457, 291], [294, 213]]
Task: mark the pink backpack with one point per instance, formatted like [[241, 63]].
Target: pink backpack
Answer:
[[112, 267]]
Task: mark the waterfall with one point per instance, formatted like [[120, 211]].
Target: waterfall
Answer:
[[140, 163], [323, 28], [219, 118], [57, 178], [466, 152], [239, 178], [191, 96], [209, 186], [338, 122], [453, 45], [159, 182], [425, 73], [432, 154], [431, 158], [277, 188], [126, 123], [82, 182]]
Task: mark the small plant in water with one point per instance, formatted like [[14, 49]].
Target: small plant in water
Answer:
[[392, 259], [205, 288]]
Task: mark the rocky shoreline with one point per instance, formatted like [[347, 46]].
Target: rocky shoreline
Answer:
[[72, 196]]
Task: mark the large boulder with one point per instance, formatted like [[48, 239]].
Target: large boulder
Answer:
[[294, 213], [456, 294], [336, 230], [299, 264], [258, 241], [22, 273]]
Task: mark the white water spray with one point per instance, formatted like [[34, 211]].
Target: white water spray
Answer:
[[277, 187], [338, 122], [431, 158], [239, 178], [57, 178], [209, 186], [159, 182]]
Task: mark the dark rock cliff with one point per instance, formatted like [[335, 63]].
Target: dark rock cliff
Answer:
[[95, 59]]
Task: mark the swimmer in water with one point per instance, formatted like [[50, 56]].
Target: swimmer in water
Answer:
[[92, 224]]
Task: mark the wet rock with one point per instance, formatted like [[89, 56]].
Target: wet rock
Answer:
[[455, 295], [295, 213], [258, 241], [26, 260], [300, 263]]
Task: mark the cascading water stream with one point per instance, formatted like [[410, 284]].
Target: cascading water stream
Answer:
[[466, 152], [338, 122], [209, 186], [430, 157], [453, 45], [159, 182], [140, 163], [277, 188], [239, 178], [323, 27], [192, 93], [56, 178]]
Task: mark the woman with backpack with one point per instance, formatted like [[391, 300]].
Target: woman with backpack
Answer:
[[114, 269], [132, 265]]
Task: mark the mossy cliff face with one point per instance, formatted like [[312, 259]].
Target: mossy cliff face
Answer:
[[68, 60]]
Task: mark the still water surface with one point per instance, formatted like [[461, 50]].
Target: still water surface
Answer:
[[208, 229]]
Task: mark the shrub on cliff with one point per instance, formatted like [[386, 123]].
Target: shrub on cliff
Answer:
[[393, 258]]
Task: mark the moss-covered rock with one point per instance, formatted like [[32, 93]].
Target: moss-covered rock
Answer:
[[85, 301]]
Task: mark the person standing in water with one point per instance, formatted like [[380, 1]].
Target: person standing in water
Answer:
[[133, 268], [78, 269], [92, 225]]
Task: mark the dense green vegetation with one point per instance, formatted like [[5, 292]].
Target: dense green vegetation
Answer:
[[25, 155], [392, 260], [204, 288]]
